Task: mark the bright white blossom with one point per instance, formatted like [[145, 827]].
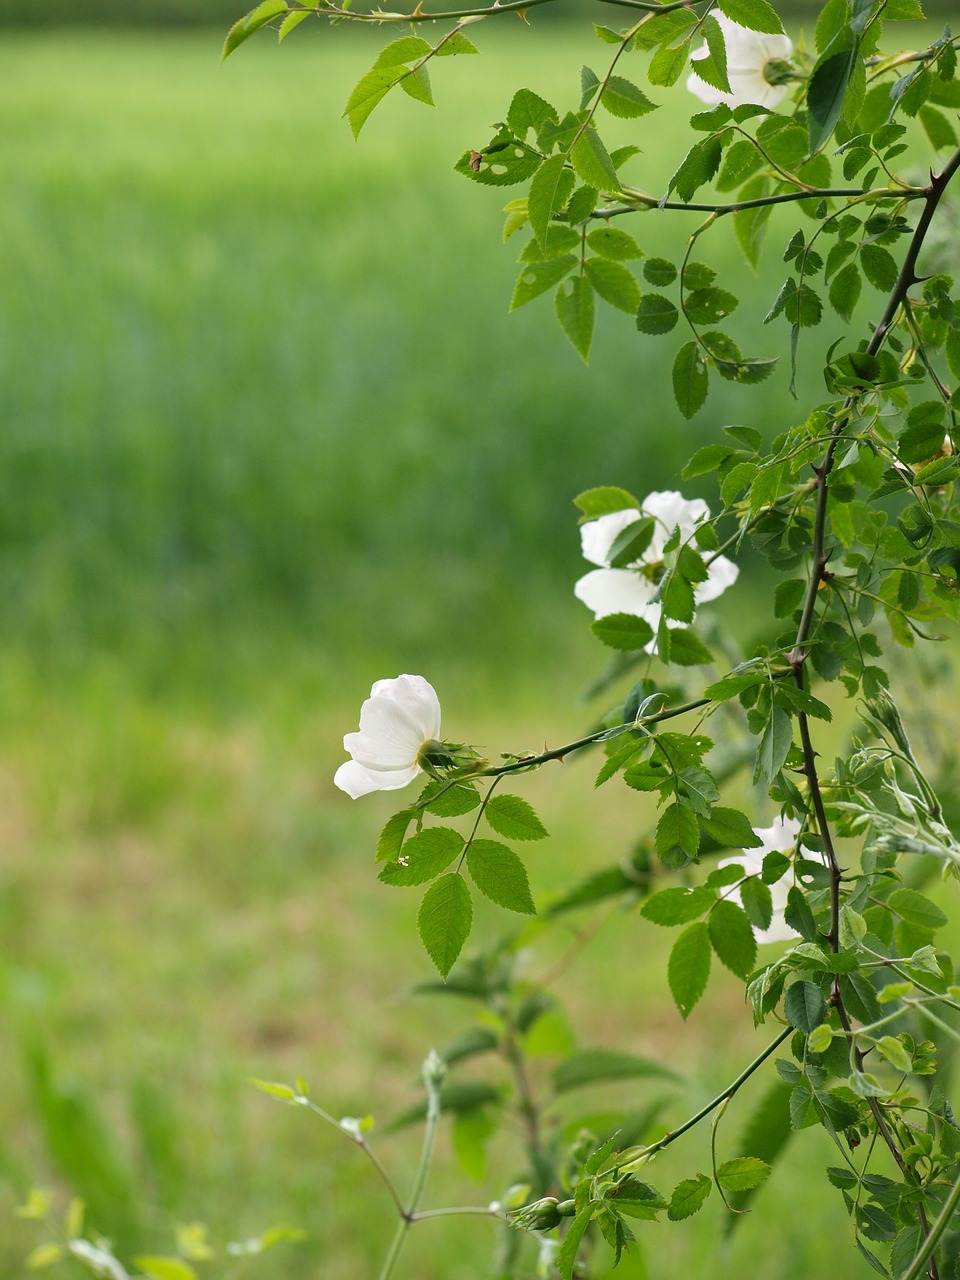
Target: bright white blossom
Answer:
[[782, 837], [634, 589], [400, 717], [756, 68]]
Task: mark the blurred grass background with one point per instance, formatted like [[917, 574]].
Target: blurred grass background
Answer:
[[268, 434]]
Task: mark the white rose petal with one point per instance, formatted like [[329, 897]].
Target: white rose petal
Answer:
[[395, 721], [782, 837], [748, 53], [634, 588]]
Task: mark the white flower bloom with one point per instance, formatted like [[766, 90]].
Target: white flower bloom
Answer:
[[755, 68], [634, 589], [396, 721], [782, 837]]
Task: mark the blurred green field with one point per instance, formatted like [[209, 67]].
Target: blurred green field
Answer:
[[268, 434]]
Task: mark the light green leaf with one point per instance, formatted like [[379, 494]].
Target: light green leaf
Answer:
[[292, 21], [529, 111], [444, 920], [604, 499], [623, 99], [574, 307], [391, 838], [282, 1091], [755, 15], [689, 967], [417, 86], [611, 242], [742, 1174], [614, 283], [399, 52], [251, 22], [678, 906], [592, 163], [543, 201], [513, 817], [369, 90], [165, 1268], [689, 1196], [537, 277]]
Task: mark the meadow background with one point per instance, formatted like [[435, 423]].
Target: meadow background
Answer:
[[268, 434]]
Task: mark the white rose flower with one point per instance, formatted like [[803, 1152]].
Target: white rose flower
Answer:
[[634, 588], [400, 717], [756, 68], [782, 837]]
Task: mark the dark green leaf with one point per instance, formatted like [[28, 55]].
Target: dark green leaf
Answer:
[[614, 283], [916, 909], [592, 163], [656, 314], [391, 838], [879, 266], [825, 93], [513, 817], [611, 242], [529, 111], [845, 290], [731, 829], [690, 379], [687, 649], [538, 277], [689, 967], [678, 835], [774, 745], [566, 1258], [623, 631], [500, 876], [543, 201], [449, 800], [423, 856], [804, 1006], [732, 938], [605, 499]]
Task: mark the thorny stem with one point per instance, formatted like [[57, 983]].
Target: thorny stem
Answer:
[[418, 14], [906, 278], [855, 195]]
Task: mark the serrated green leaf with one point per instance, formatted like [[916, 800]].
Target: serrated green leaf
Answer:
[[369, 90], [757, 902], [879, 266], [622, 98], [399, 52], [592, 162], [732, 937], [825, 93], [529, 111], [566, 1258], [422, 857], [678, 906], [500, 876], [417, 86], [391, 838], [690, 379], [444, 920], [538, 277], [731, 829], [611, 242], [845, 290], [689, 1196], [689, 967], [755, 15], [514, 818], [656, 314], [678, 834], [804, 1006], [574, 307], [916, 909], [449, 800], [603, 500], [697, 167], [742, 1174], [543, 200], [774, 745], [614, 283], [251, 22], [292, 21], [668, 65]]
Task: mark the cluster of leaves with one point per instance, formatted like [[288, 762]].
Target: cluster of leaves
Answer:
[[446, 911]]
